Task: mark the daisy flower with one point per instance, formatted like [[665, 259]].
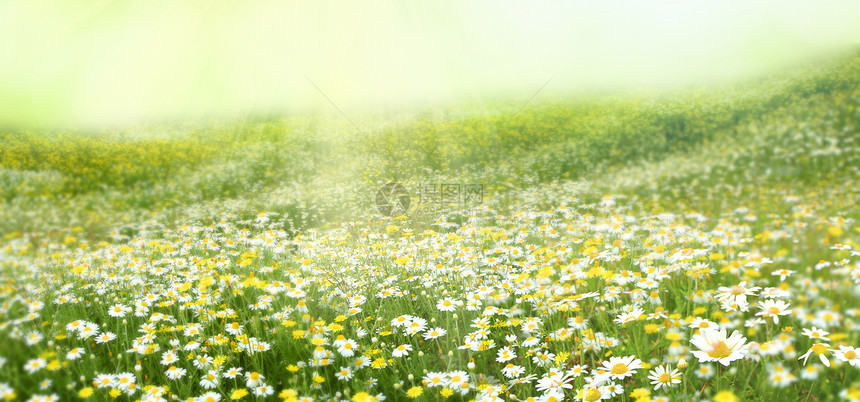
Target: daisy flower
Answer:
[[435, 333], [554, 382], [505, 354], [361, 361], [448, 304], [716, 347], [175, 373], [169, 357], [104, 381], [578, 322], [208, 397], [816, 333], [513, 371], [34, 365], [210, 379], [118, 310], [620, 368], [253, 379], [263, 390], [704, 371], [433, 379], [401, 321], [456, 378], [74, 354], [848, 354], [344, 374], [662, 377], [234, 328], [782, 274], [346, 348], [402, 350], [773, 308], [105, 337], [736, 294], [821, 350], [811, 372], [125, 381]]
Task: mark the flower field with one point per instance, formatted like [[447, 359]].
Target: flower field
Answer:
[[700, 244]]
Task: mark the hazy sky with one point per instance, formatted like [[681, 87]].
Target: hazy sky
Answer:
[[97, 62]]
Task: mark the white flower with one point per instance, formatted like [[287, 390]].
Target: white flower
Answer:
[[773, 308], [208, 397], [505, 354], [513, 371], [232, 372], [234, 328], [620, 368], [402, 350], [263, 390], [125, 380], [169, 357], [736, 294], [34, 365], [253, 379], [74, 354], [105, 337], [104, 381], [848, 354], [346, 348], [662, 377], [401, 321], [715, 347], [448, 304], [816, 333], [118, 310], [210, 380], [435, 333], [175, 373], [344, 374], [554, 381], [435, 379], [819, 348]]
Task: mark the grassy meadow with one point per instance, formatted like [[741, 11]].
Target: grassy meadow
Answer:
[[691, 244]]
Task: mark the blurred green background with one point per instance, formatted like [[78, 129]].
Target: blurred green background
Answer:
[[96, 63]]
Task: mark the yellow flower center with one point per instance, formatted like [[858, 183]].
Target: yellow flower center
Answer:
[[620, 368], [665, 378], [819, 348], [720, 351], [850, 354], [773, 311], [592, 395]]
